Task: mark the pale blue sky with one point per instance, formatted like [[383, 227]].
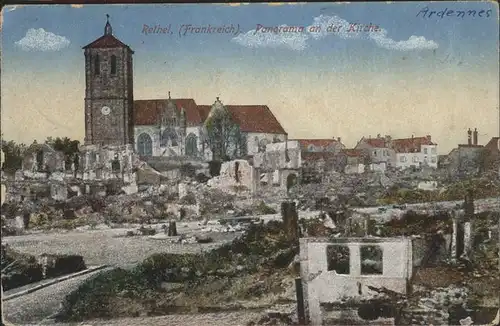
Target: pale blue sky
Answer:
[[335, 75]]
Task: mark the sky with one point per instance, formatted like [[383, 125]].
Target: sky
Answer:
[[422, 68]]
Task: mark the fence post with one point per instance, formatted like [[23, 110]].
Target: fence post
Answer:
[[290, 219], [300, 301], [172, 229]]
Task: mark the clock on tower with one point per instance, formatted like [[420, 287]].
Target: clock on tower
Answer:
[[108, 91]]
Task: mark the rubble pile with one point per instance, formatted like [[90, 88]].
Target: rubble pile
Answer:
[[483, 187], [252, 267], [276, 317], [412, 223], [440, 306], [19, 269], [213, 201]]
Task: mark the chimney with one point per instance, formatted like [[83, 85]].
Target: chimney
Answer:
[[469, 137], [378, 135], [388, 140], [475, 136], [339, 139], [429, 138], [411, 136]]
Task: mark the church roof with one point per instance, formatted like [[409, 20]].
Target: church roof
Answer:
[[255, 118], [147, 112], [107, 41], [204, 111], [250, 118]]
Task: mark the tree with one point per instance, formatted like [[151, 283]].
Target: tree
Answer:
[[224, 137], [13, 159], [68, 147]]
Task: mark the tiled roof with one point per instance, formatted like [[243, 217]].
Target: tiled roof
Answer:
[[470, 146], [147, 112], [204, 110], [107, 41], [317, 142], [375, 142], [316, 156], [255, 118], [352, 152], [250, 118], [409, 145]]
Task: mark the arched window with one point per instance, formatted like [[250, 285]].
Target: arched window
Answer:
[[113, 64], [97, 65], [169, 134], [144, 145], [191, 145]]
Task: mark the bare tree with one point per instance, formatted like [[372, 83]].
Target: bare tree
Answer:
[[223, 136]]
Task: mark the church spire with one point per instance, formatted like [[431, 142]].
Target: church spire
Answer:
[[107, 29]]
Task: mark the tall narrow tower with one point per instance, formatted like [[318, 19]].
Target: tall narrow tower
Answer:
[[109, 99]]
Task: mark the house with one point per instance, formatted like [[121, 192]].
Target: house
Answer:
[[354, 156], [379, 149], [415, 152], [466, 157], [322, 154], [354, 160]]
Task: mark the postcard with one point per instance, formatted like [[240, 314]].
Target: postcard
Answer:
[[250, 164]]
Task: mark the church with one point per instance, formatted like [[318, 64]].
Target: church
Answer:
[[166, 127]]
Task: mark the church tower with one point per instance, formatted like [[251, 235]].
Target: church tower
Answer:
[[109, 99]]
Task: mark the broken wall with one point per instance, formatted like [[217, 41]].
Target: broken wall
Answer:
[[108, 162], [235, 173], [327, 282], [51, 160], [279, 156], [354, 168]]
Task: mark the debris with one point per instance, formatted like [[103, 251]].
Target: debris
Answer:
[[466, 322]]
